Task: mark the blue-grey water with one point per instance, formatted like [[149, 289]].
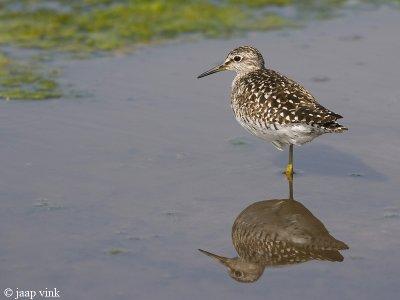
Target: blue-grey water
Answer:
[[108, 196]]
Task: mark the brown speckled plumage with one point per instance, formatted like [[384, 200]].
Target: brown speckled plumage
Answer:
[[272, 106], [280, 232], [269, 96], [276, 233]]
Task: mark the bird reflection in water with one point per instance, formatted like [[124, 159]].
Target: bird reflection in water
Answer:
[[274, 233]]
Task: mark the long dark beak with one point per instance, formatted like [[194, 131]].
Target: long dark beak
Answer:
[[221, 259], [213, 70]]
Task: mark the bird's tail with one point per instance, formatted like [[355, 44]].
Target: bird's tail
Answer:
[[335, 127]]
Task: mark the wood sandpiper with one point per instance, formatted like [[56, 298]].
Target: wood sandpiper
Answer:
[[272, 106]]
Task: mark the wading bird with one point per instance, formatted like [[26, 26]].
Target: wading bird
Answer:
[[272, 106]]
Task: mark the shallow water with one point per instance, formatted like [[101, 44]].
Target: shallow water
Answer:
[[110, 195]]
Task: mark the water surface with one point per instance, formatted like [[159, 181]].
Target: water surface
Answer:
[[109, 195]]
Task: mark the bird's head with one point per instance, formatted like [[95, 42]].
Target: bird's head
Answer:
[[238, 269], [242, 60]]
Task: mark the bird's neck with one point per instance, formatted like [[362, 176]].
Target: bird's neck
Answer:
[[242, 73]]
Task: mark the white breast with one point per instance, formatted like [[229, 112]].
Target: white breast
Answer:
[[280, 135]]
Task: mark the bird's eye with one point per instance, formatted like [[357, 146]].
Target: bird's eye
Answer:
[[237, 58], [238, 274]]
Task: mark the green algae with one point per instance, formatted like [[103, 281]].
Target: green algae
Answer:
[[85, 27], [107, 25], [238, 141], [26, 81], [116, 251], [261, 3], [90, 27]]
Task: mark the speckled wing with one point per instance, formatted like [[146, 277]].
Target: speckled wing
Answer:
[[300, 227], [283, 232], [268, 95]]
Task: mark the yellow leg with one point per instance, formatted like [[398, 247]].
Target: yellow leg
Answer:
[[289, 171], [289, 168]]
